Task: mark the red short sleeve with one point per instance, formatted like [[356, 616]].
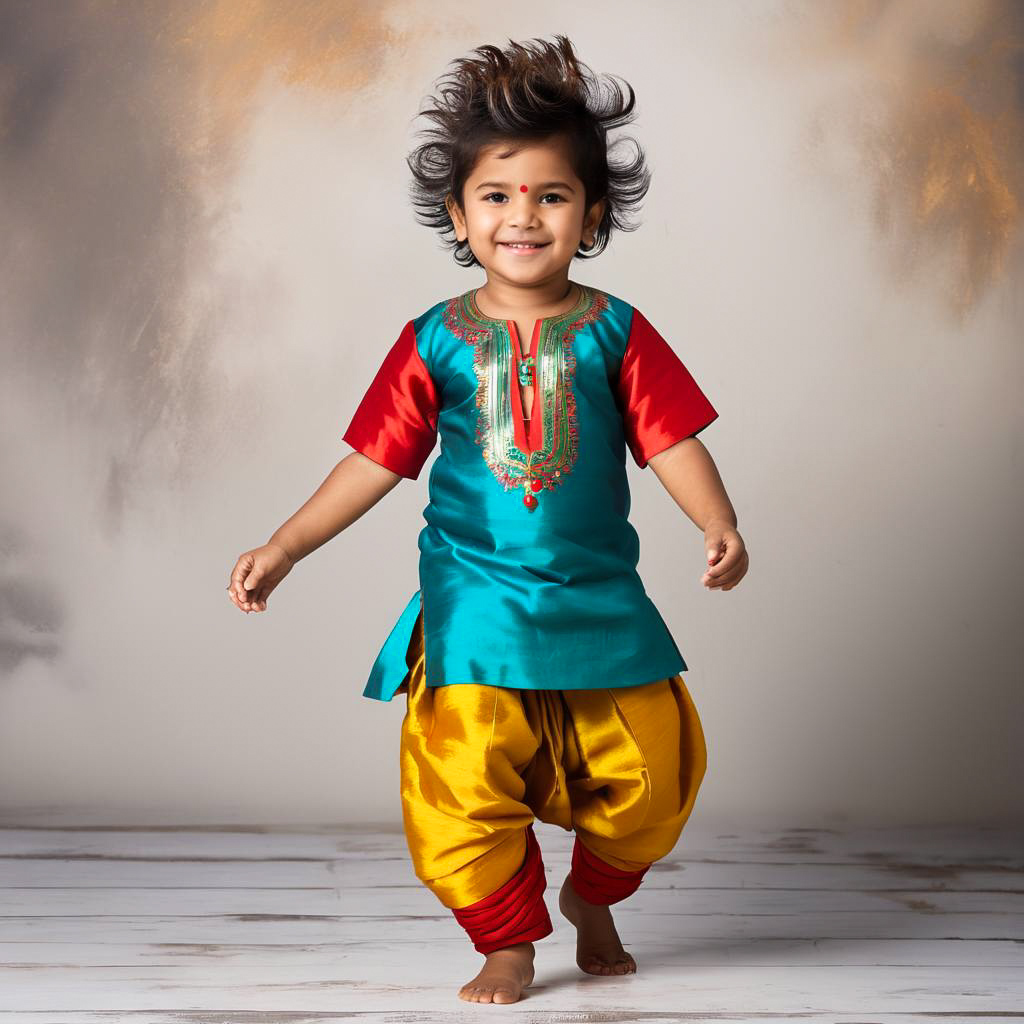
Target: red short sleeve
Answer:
[[396, 422], [659, 400]]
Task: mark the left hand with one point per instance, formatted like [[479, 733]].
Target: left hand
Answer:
[[726, 554]]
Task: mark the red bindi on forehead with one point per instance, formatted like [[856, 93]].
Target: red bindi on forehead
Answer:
[[523, 188]]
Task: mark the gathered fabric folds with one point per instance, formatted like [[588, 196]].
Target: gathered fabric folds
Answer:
[[513, 913], [597, 881], [479, 764]]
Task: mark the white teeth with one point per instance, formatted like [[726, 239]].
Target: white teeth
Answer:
[[518, 245]]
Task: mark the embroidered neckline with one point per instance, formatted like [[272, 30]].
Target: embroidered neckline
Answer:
[[554, 398], [575, 310]]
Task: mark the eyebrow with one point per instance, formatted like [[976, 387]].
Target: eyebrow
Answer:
[[506, 185]]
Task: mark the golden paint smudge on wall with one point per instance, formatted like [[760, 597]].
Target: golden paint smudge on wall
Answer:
[[939, 126], [234, 48]]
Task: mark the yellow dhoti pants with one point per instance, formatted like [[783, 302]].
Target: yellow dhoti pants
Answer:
[[621, 767]]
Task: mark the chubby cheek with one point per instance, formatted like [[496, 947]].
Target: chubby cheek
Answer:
[[566, 227], [481, 233], [491, 229]]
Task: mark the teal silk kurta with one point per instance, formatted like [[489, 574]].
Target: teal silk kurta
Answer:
[[528, 560]]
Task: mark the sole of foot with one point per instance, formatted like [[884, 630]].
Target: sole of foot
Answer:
[[598, 947], [503, 977]]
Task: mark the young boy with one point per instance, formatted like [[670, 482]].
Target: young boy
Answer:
[[541, 680]]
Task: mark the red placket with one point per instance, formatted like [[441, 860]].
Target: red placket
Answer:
[[528, 439]]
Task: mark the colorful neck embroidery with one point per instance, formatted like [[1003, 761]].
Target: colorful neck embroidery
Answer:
[[494, 362]]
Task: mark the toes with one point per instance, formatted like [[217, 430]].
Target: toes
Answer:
[[596, 965], [477, 994]]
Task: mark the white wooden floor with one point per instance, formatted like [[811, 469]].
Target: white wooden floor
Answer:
[[247, 924]]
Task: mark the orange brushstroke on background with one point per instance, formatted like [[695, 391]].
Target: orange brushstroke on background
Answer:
[[231, 49], [953, 186], [944, 141], [324, 44]]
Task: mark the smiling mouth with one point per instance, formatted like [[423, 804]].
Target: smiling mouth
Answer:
[[523, 245]]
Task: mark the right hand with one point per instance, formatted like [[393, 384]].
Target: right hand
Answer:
[[256, 574]]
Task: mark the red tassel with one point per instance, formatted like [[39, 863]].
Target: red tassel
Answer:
[[514, 913], [596, 881]]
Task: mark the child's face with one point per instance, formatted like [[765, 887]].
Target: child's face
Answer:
[[496, 210]]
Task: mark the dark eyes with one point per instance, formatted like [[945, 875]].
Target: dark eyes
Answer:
[[554, 195]]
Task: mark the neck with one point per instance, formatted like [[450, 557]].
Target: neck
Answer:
[[508, 300]]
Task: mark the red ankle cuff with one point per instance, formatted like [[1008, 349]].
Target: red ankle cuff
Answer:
[[596, 881], [516, 912]]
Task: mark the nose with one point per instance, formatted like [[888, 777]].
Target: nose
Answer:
[[522, 211]]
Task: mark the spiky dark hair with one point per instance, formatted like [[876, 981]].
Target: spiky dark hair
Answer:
[[528, 92]]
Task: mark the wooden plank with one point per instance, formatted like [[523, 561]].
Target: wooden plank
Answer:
[[930, 848], [427, 984], [466, 1014], [370, 901], [360, 873], [421, 922], [691, 952]]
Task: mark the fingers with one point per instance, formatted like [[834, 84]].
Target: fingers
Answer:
[[256, 574], [727, 573], [730, 581], [254, 602], [253, 598], [258, 594], [243, 567], [715, 574], [247, 602]]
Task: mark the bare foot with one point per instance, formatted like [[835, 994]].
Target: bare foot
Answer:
[[503, 977], [598, 949]]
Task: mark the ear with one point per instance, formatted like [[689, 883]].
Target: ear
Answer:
[[592, 220], [458, 220]]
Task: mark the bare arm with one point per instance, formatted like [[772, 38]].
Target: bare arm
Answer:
[[355, 484], [689, 474], [353, 487]]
